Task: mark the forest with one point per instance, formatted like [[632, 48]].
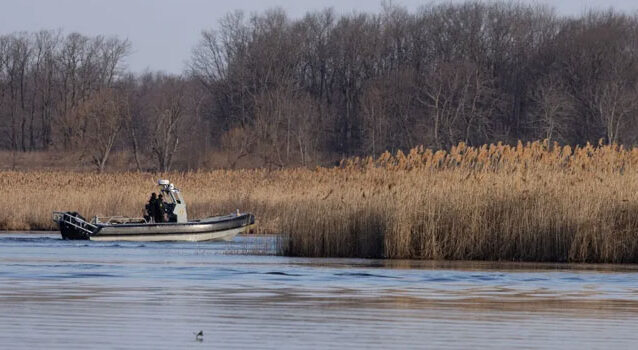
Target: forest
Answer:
[[268, 90]]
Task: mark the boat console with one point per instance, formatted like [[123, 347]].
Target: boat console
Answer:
[[175, 204]]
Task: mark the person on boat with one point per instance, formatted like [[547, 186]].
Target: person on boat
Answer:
[[159, 209], [150, 207]]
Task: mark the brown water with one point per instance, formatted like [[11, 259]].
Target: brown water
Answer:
[[71, 294]]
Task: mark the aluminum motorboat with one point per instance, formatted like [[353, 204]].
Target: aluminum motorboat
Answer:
[[176, 228]]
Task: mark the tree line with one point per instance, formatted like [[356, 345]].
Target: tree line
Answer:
[[270, 90]]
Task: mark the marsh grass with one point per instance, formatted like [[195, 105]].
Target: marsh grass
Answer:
[[530, 202]]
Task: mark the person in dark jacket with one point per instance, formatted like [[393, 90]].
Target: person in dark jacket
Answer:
[[151, 207], [159, 209]]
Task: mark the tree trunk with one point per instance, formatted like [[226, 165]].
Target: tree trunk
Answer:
[[135, 149]]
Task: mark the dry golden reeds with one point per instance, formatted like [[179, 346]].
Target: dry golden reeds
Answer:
[[529, 202]]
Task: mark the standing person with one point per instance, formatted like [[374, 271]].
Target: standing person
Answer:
[[151, 207], [159, 209]]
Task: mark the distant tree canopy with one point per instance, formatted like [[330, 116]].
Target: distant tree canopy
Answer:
[[285, 91]]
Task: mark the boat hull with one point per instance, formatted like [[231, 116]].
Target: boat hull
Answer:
[[225, 235]]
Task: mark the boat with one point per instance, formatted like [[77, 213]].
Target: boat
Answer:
[[177, 228]]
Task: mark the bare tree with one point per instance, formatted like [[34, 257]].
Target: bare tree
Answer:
[[106, 114], [552, 110], [86, 65], [460, 101], [16, 62], [389, 120], [168, 109], [237, 143], [4, 51], [614, 102]]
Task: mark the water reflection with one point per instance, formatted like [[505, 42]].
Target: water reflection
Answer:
[[71, 294]]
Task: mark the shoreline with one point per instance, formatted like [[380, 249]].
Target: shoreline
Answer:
[[465, 265]]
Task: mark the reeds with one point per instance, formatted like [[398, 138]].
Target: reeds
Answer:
[[530, 202]]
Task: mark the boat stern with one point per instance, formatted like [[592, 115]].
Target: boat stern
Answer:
[[73, 226]]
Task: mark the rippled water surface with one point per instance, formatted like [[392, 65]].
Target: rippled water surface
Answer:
[[75, 294]]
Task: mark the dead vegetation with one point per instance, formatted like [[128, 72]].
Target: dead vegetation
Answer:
[[532, 202]]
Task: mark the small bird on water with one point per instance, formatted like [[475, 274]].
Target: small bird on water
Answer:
[[199, 336]]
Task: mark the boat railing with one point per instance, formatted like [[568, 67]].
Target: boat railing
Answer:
[[108, 220], [72, 220]]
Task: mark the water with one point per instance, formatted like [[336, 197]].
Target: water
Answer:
[[74, 294]]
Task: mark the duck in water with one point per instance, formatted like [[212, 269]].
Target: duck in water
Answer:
[[199, 336]]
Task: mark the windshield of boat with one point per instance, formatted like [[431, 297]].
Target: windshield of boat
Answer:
[[169, 197]]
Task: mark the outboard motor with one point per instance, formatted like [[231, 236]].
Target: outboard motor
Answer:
[[73, 226]]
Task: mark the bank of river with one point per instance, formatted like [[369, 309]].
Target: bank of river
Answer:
[[61, 294]]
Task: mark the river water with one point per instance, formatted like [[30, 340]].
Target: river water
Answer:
[[74, 294]]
